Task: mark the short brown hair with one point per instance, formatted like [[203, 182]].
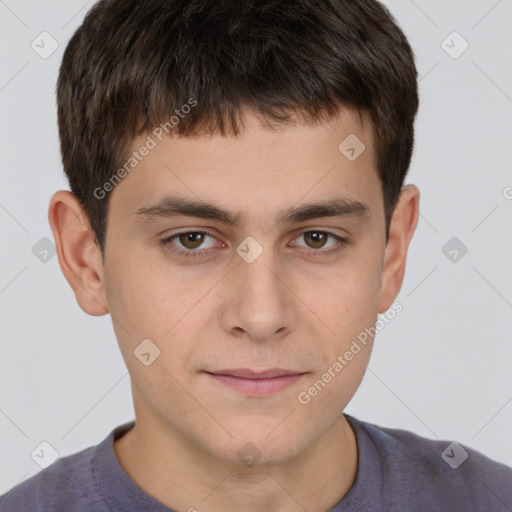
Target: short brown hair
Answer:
[[132, 63]]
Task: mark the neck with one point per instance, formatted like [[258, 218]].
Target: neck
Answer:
[[183, 477]]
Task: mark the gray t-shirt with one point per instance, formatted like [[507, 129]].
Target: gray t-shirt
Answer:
[[397, 471]]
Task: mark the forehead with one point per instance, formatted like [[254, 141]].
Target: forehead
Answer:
[[263, 169]]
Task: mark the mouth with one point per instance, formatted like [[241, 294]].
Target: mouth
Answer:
[[256, 383]]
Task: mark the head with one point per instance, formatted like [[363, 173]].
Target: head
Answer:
[[290, 126]]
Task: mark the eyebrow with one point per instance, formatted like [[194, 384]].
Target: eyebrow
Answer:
[[174, 206]]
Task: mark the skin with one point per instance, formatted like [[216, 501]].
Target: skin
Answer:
[[291, 308]]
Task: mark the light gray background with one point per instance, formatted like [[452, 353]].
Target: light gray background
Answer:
[[441, 368]]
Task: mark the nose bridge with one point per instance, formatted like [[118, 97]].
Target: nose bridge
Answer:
[[258, 271], [261, 303]]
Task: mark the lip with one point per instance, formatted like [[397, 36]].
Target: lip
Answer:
[[256, 383], [247, 373]]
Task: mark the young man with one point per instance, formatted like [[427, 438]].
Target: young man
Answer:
[[238, 209]]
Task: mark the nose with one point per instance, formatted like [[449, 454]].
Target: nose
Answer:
[[260, 305]]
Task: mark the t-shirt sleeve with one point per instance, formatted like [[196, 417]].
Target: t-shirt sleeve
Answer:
[[400, 470], [52, 490]]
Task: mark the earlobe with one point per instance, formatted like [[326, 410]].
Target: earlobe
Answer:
[[402, 227], [79, 256]]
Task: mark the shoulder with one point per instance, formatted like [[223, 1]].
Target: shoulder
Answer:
[[68, 484], [428, 472]]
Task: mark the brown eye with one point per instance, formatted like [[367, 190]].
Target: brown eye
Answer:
[[188, 243], [315, 239], [191, 240]]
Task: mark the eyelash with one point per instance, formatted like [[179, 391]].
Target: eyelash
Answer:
[[197, 253]]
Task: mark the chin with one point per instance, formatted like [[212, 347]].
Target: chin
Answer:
[[256, 445]]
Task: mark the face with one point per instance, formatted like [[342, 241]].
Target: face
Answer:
[[270, 283]]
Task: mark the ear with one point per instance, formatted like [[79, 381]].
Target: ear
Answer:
[[402, 227], [79, 256]]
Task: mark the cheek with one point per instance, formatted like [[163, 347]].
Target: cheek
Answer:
[[350, 310], [135, 303], [146, 304], [348, 301], [156, 302], [147, 295]]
